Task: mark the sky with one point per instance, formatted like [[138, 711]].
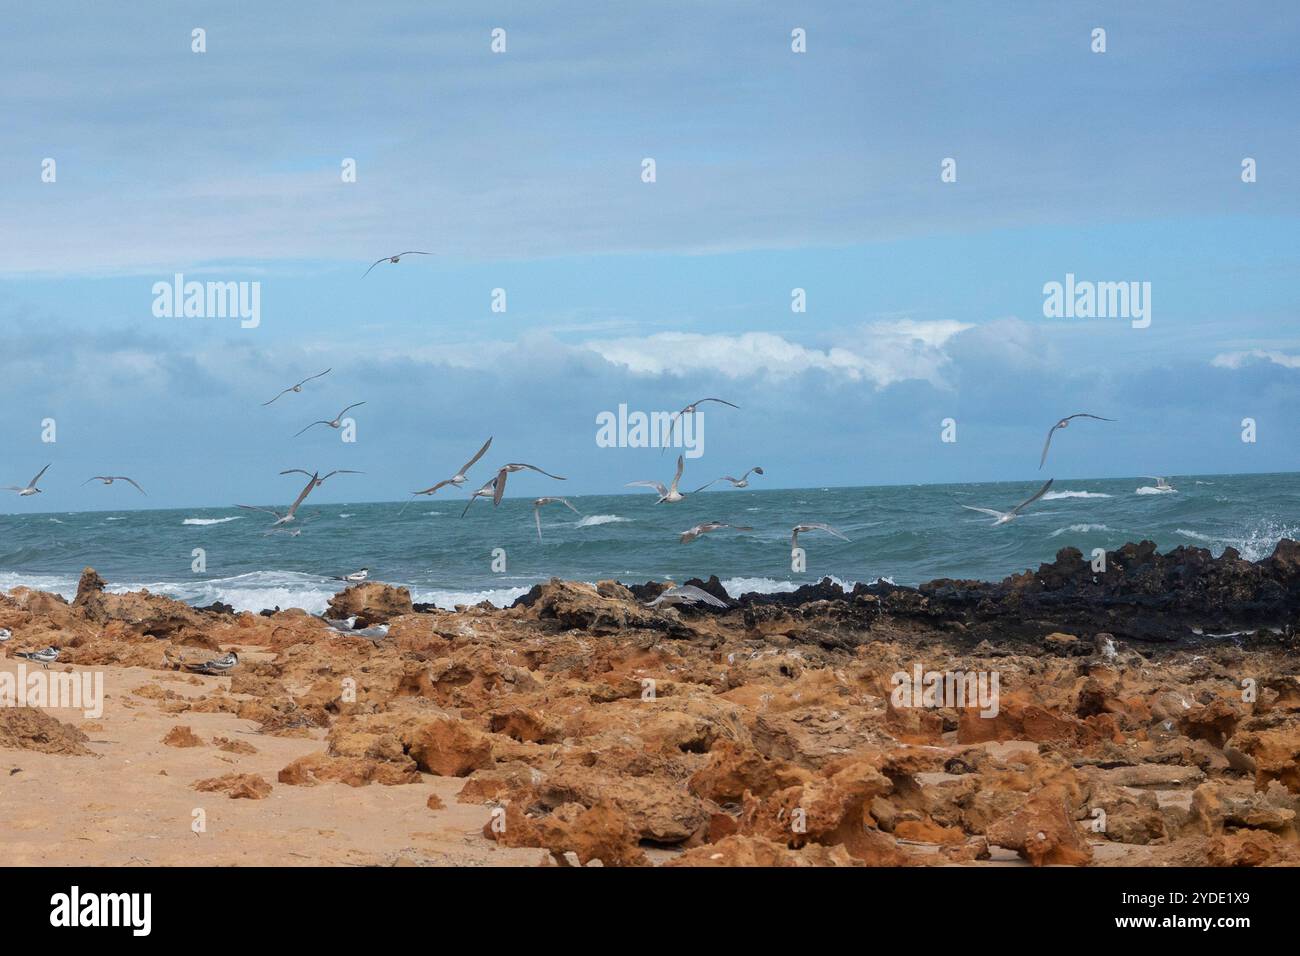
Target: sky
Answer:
[[522, 171]]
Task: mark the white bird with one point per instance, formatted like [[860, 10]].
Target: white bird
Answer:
[[693, 533], [1065, 423], [109, 479], [690, 410], [394, 259], [487, 491], [333, 422], [320, 481], [30, 488], [811, 526], [44, 657], [669, 494], [1004, 516], [537, 512], [741, 482], [298, 387], [500, 486], [5, 634], [1162, 484], [687, 594], [216, 666], [459, 478], [356, 577], [284, 517]]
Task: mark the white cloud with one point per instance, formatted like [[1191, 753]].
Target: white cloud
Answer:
[[1235, 360], [882, 353]]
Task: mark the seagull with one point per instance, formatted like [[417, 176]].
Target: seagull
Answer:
[[1065, 423], [537, 513], [1162, 484], [1004, 516], [109, 479], [811, 526], [699, 529], [298, 387], [356, 577], [457, 479], [690, 410], [335, 423], [669, 494], [394, 259], [31, 488], [44, 657], [217, 666], [284, 518], [741, 482], [687, 594]]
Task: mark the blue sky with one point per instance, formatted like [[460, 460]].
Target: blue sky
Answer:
[[521, 171]]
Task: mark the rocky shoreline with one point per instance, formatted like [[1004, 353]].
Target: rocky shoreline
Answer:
[[581, 727]]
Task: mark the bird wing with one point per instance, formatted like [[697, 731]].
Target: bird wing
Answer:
[[429, 491], [537, 516], [520, 464], [289, 389], [702, 487], [1038, 494], [302, 495], [373, 264], [131, 482], [263, 510], [656, 485], [101, 478], [477, 455], [722, 401], [1048, 444], [1086, 415], [38, 476], [343, 471], [818, 526], [699, 594], [412, 252], [310, 377], [756, 470], [348, 409], [297, 471], [681, 464], [500, 488], [985, 511], [313, 425], [565, 502]]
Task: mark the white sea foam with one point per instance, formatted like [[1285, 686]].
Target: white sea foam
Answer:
[[1255, 545], [592, 520], [208, 521], [1054, 495], [114, 519], [447, 600], [738, 586], [1079, 529], [1153, 490]]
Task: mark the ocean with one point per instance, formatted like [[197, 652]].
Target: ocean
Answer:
[[904, 534]]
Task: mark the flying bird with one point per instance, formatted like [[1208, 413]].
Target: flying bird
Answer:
[[499, 482], [313, 481], [219, 665], [487, 491], [30, 488], [1065, 423], [109, 479], [1162, 484], [321, 480], [296, 388], [687, 594], [690, 410], [394, 259], [335, 422], [44, 657], [669, 494], [692, 533], [741, 482], [457, 479], [811, 526], [537, 510], [1004, 516]]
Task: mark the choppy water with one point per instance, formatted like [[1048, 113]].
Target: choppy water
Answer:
[[907, 534]]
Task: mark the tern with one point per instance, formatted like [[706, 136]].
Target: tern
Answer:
[[335, 422], [741, 482], [298, 387], [690, 410], [500, 480], [313, 481], [1162, 484], [537, 510], [693, 533], [1065, 423], [321, 480], [216, 666], [687, 594], [356, 577], [31, 488], [669, 494], [457, 479], [5, 634], [487, 491], [394, 259], [44, 657], [1004, 516], [811, 526], [109, 479]]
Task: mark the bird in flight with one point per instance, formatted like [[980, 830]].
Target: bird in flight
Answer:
[[335, 422], [298, 387], [313, 481], [687, 594], [499, 482], [690, 410], [459, 478], [669, 494], [109, 479], [539, 503], [741, 482], [1065, 423], [394, 259], [692, 533], [811, 526], [1004, 516], [30, 488]]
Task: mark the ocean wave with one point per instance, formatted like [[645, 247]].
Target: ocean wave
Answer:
[[208, 521], [738, 586], [447, 600], [1054, 495], [592, 520], [1079, 529], [114, 519], [1153, 490], [1257, 544]]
